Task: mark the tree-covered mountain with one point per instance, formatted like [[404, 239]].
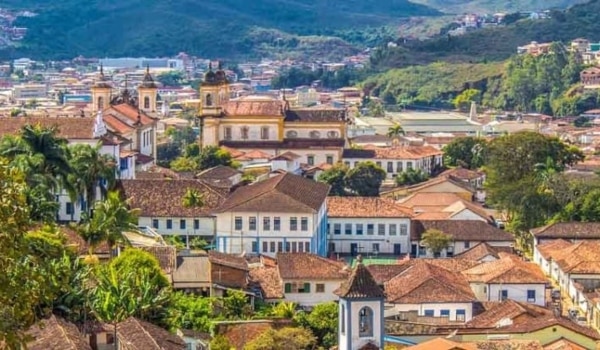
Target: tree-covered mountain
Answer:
[[223, 28], [492, 6]]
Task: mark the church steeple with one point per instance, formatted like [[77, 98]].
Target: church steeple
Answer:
[[101, 91], [147, 93]]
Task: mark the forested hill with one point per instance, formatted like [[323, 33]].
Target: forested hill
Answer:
[[224, 28], [498, 43]]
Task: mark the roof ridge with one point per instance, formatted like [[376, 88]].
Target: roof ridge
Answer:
[[64, 333], [147, 333]]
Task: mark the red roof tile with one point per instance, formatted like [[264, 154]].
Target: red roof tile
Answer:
[[68, 128], [365, 207], [307, 266]]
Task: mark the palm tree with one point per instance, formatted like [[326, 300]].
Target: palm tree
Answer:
[[89, 168], [285, 310], [544, 173], [193, 198], [395, 131]]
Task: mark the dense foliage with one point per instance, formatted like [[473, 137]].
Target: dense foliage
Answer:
[[365, 179], [332, 80], [467, 152]]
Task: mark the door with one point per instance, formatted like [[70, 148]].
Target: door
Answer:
[[397, 249], [331, 248], [413, 250], [353, 248]]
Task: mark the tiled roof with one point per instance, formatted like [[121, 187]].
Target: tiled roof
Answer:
[[71, 128], [409, 152], [478, 252], [316, 114], [455, 264], [549, 249], [164, 198], [218, 172], [131, 113], [463, 174], [441, 344], [385, 272], [360, 284], [582, 257], [268, 280], [422, 200], [192, 271], [424, 282], [230, 260], [569, 230], [461, 230], [134, 334], [252, 155], [156, 172], [288, 143], [364, 207], [117, 125], [166, 256], [508, 269], [289, 156], [563, 344], [307, 266], [513, 344], [254, 108], [287, 193], [79, 244], [56, 334]]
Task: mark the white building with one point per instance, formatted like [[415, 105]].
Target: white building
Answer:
[[285, 213], [367, 225], [30, 91]]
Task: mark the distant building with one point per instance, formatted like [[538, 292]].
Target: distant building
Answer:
[[534, 48], [29, 91], [141, 62]]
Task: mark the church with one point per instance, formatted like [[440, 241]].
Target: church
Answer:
[[317, 135]]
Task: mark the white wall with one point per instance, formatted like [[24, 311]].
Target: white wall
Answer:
[[206, 225], [350, 338], [437, 307], [466, 214], [254, 131], [386, 242], [518, 292], [458, 247], [422, 164], [313, 298]]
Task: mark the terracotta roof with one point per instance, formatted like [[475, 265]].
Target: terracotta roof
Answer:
[[509, 269], [548, 249], [117, 125], [289, 156], [441, 344], [252, 155], [455, 264], [218, 172], [423, 282], [70, 128], [408, 152], [156, 172], [461, 230], [365, 207], [232, 151], [439, 180], [164, 198], [239, 333], [56, 334], [192, 271], [307, 266], [165, 255], [230, 260], [79, 244], [462, 205], [134, 334], [268, 281], [582, 257], [478, 252], [569, 230], [287, 193], [512, 344], [131, 113], [563, 344], [315, 115], [360, 284], [422, 200], [385, 272], [254, 108], [462, 174]]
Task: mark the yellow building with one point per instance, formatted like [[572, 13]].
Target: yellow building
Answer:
[[268, 124]]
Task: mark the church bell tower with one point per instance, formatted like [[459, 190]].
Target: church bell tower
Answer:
[[147, 93], [214, 95], [101, 92]]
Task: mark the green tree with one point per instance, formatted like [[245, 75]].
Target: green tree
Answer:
[[284, 309], [376, 109], [171, 78], [467, 152], [183, 164], [411, 177], [219, 342], [212, 156], [365, 179], [234, 306], [288, 338], [395, 131], [464, 99], [336, 178], [193, 199], [436, 241], [322, 321]]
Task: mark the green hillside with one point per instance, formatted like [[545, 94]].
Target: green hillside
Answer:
[[223, 28], [491, 6]]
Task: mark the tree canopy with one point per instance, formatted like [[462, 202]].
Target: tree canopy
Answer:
[[467, 152], [435, 241], [363, 180]]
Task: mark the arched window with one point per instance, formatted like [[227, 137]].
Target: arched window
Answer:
[[291, 134], [209, 100], [332, 134], [314, 134], [365, 322], [147, 102], [100, 103]]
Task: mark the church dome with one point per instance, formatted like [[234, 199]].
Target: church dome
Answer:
[[148, 81], [210, 77], [221, 76]]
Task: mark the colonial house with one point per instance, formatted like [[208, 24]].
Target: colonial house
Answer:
[[396, 159], [443, 206], [508, 278], [164, 206], [429, 294], [570, 231], [438, 184], [590, 77], [221, 177], [482, 252], [285, 213], [55, 333], [267, 124], [465, 233], [367, 225]]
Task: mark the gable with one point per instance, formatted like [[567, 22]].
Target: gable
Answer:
[[467, 214], [446, 187]]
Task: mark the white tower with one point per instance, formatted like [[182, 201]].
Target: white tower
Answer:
[[361, 324]]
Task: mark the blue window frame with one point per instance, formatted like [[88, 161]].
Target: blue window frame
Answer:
[[124, 163], [445, 313], [154, 223], [460, 314], [531, 295], [169, 224], [429, 313]]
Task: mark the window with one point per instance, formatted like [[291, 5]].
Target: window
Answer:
[[365, 322], [399, 167], [408, 165], [390, 167], [279, 247], [124, 163], [208, 100], [531, 295], [378, 164], [314, 134], [265, 247], [227, 133], [307, 247], [238, 223], [346, 163], [332, 134], [320, 288], [154, 223], [294, 247], [254, 247], [329, 159], [337, 229], [310, 160], [252, 223], [460, 314], [291, 134], [276, 223], [182, 224], [146, 102], [370, 229], [485, 289], [429, 313], [392, 229], [69, 208], [504, 294], [196, 224], [287, 247], [100, 103], [359, 229], [169, 224], [381, 229], [375, 247], [288, 288], [348, 229], [297, 287], [467, 244], [264, 133], [304, 223], [244, 131], [266, 223], [110, 338], [343, 318], [293, 223], [272, 247], [300, 247], [445, 313], [403, 229]]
